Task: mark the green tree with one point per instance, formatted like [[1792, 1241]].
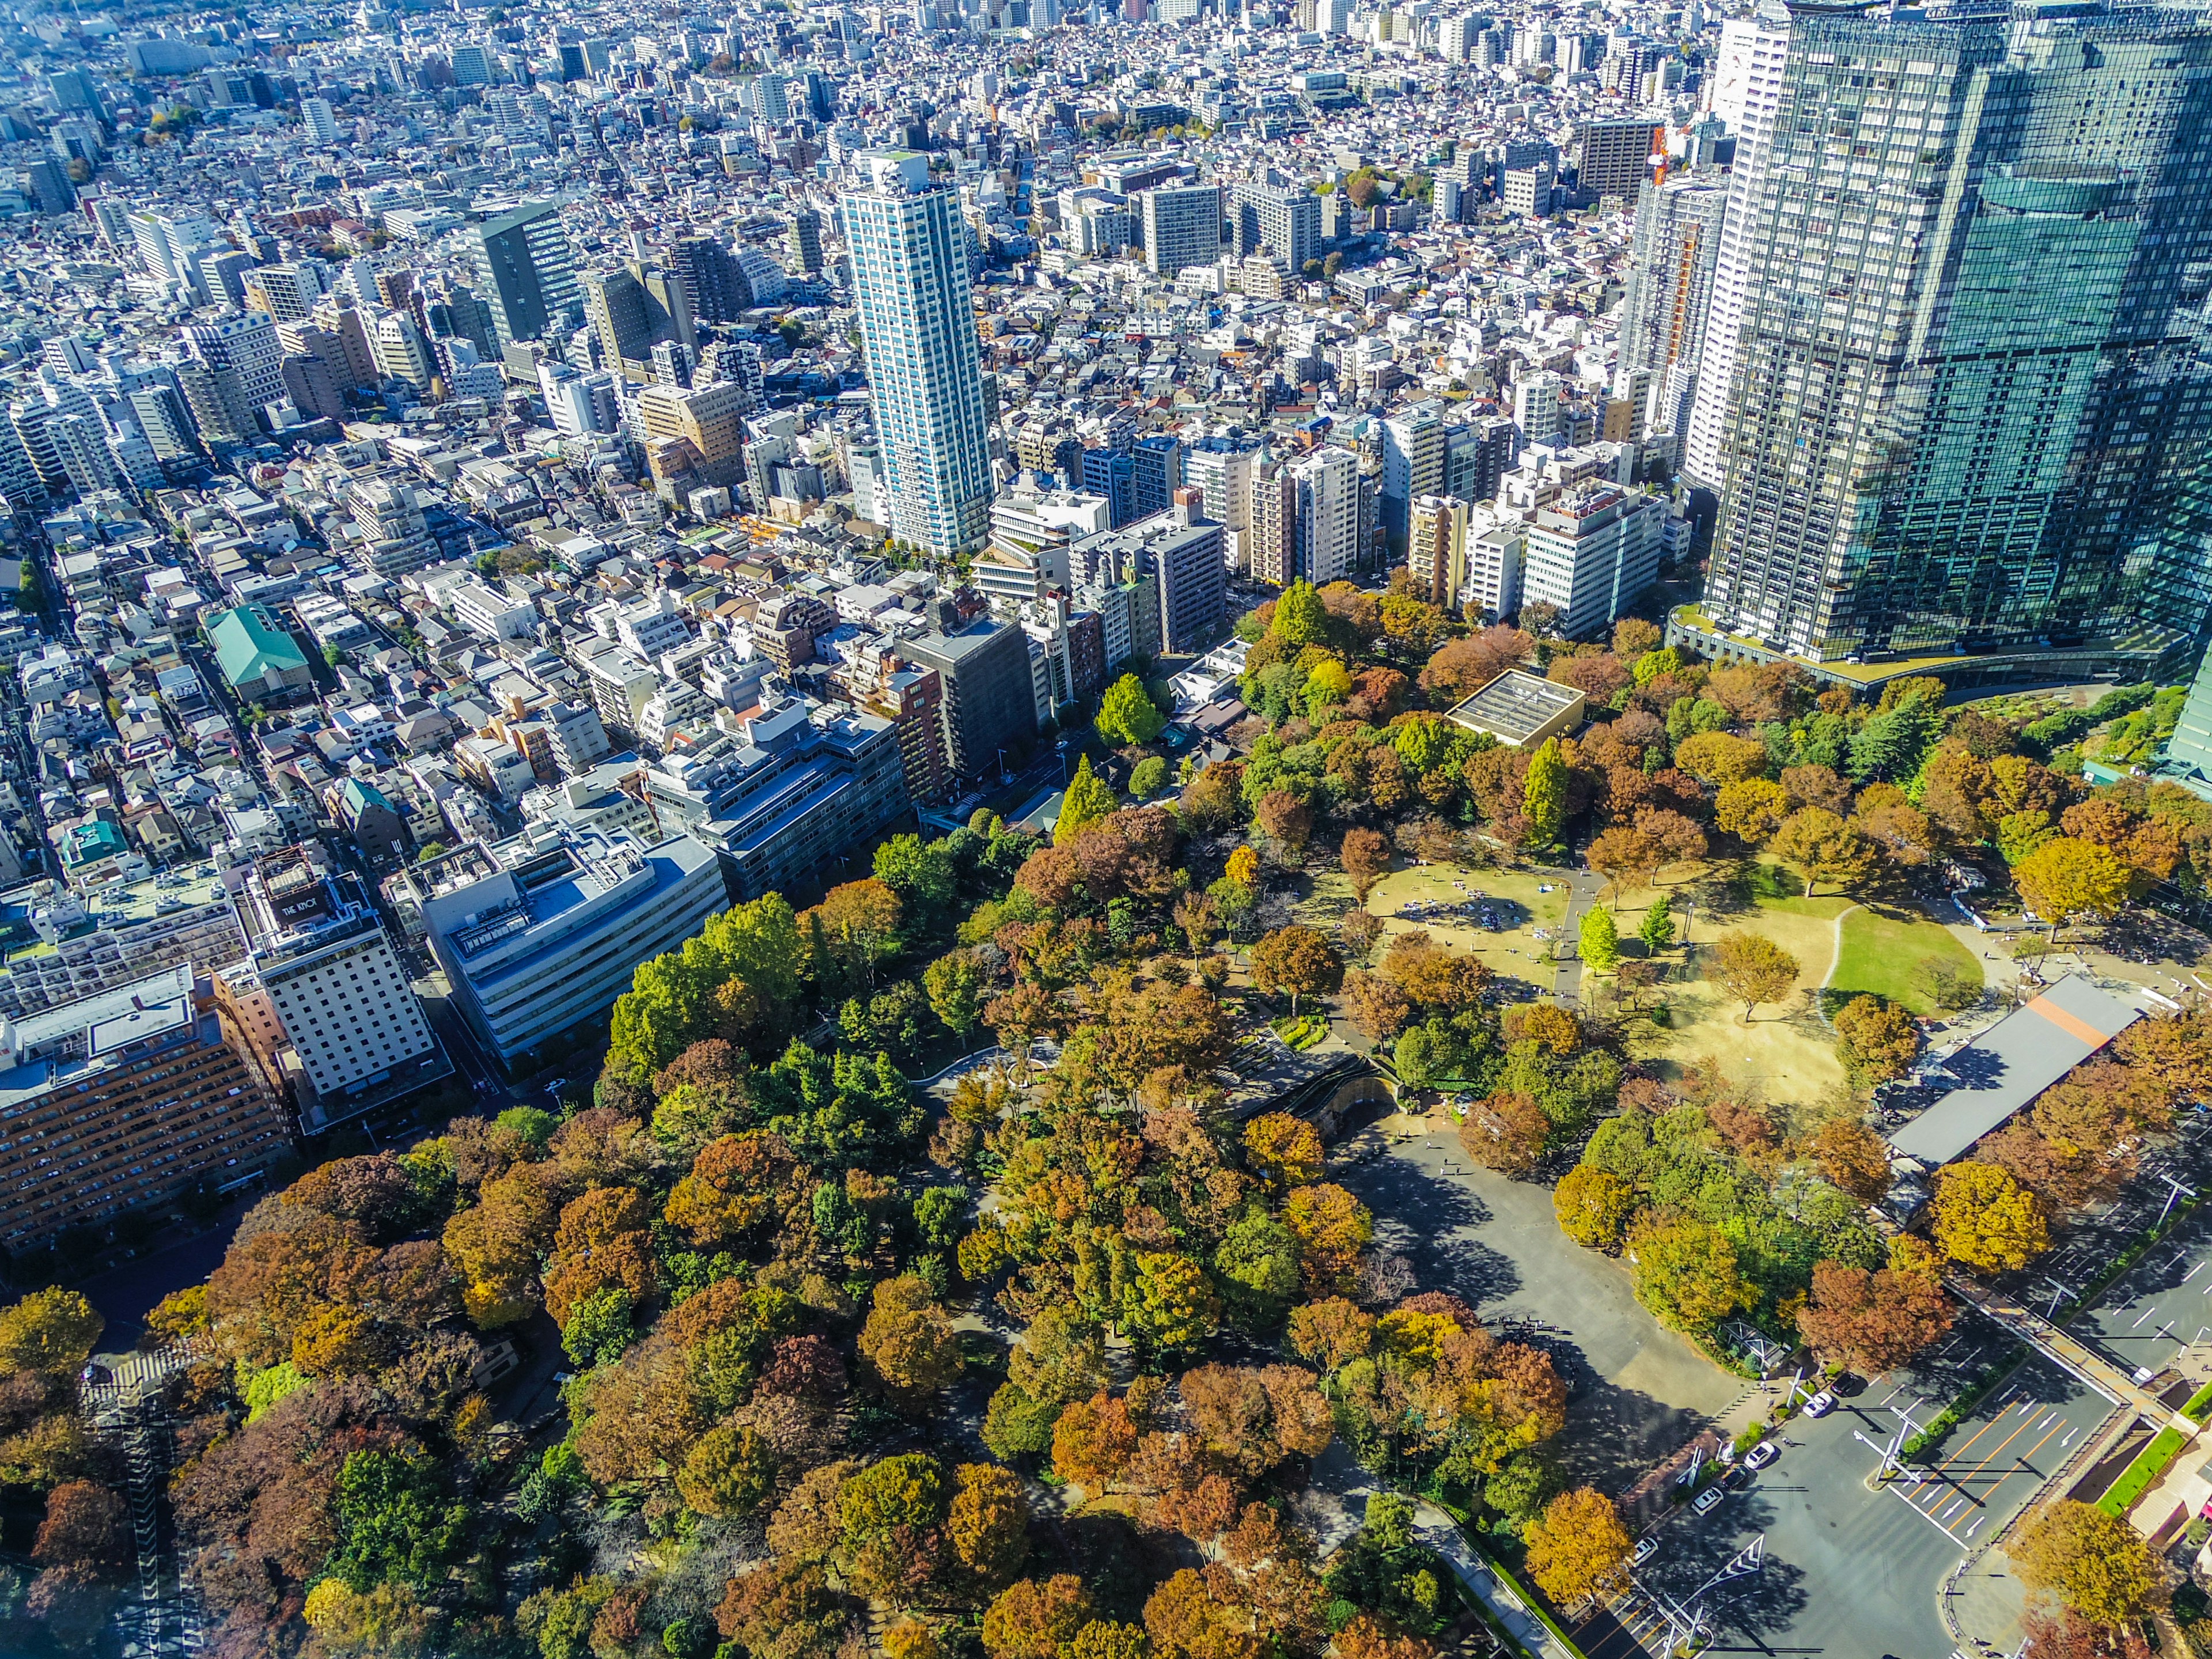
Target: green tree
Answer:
[[922, 874], [1657, 928], [956, 983], [679, 997], [1257, 1260], [1168, 1306], [1685, 1273], [1544, 795], [52, 1332], [1088, 798], [1127, 715], [1148, 777], [728, 1471], [598, 1327], [1601, 940], [391, 1521], [1301, 619]]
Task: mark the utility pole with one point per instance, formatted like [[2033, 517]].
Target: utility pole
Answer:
[[1686, 1619]]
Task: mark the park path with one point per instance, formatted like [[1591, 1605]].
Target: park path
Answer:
[[1836, 953], [1584, 888]]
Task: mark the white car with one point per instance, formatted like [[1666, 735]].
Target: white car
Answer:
[[1707, 1499], [1761, 1454], [1645, 1549], [1820, 1404]]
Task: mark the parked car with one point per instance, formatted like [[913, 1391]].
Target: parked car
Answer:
[[1645, 1549], [1761, 1454], [1820, 1404], [1707, 1499]]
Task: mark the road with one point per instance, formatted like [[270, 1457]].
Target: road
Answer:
[[1851, 1571]]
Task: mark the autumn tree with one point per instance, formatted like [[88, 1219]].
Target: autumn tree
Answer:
[[1985, 1219], [1365, 856], [1871, 1322], [908, 1340], [1089, 798], [1296, 960], [1717, 757], [987, 1527], [1284, 819], [2066, 878], [1506, 1132], [51, 1333], [861, 920], [1752, 809], [1598, 940], [1283, 1150], [1823, 848], [2094, 1563], [1852, 1158], [1876, 1041], [1332, 1227], [1594, 1206], [1754, 968], [1578, 1548], [1093, 1442], [1036, 1618]]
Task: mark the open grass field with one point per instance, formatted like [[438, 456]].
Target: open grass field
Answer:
[[1883, 951], [1519, 903]]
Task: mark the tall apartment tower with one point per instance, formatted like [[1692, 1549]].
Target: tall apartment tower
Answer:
[[1277, 219], [1613, 157], [911, 292], [1746, 84], [804, 244], [1182, 227], [1328, 515], [1436, 549], [1670, 274], [1969, 409], [529, 270]]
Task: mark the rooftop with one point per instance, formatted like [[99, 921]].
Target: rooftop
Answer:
[[2011, 1063], [1517, 705]]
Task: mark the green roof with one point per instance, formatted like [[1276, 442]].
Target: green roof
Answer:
[[250, 646]]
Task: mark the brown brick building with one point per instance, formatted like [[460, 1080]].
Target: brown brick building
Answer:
[[128, 1097]]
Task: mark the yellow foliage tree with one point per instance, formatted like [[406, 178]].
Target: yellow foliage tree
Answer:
[[1986, 1220]]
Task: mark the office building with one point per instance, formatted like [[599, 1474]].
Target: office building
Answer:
[[1182, 227], [542, 931], [1592, 552], [1613, 158], [529, 271], [987, 711], [354, 1031], [1112, 474], [786, 806], [1973, 422], [131, 1096], [248, 346], [1436, 549], [714, 288], [912, 296]]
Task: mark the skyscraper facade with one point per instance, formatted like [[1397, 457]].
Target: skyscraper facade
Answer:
[[1969, 409], [529, 270], [912, 296]]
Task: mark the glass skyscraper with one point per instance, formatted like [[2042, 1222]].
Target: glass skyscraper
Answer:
[[916, 310], [1969, 403]]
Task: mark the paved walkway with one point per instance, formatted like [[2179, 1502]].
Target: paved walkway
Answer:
[[1441, 1533], [1584, 889]]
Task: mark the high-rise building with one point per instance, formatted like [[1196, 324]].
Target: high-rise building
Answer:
[[1436, 549], [1670, 274], [1969, 411], [1592, 552], [1155, 472], [317, 952], [130, 1097], [247, 345], [1747, 84], [1412, 465], [1182, 227], [1277, 219], [614, 301], [320, 119], [912, 295], [1614, 157], [987, 708], [529, 270], [1328, 515], [804, 243], [1539, 415], [1476, 457], [713, 284]]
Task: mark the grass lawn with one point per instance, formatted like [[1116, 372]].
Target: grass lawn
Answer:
[[1883, 950], [1512, 953], [1786, 1047]]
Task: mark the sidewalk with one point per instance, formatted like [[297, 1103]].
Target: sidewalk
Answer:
[[2063, 1351], [1442, 1534]]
